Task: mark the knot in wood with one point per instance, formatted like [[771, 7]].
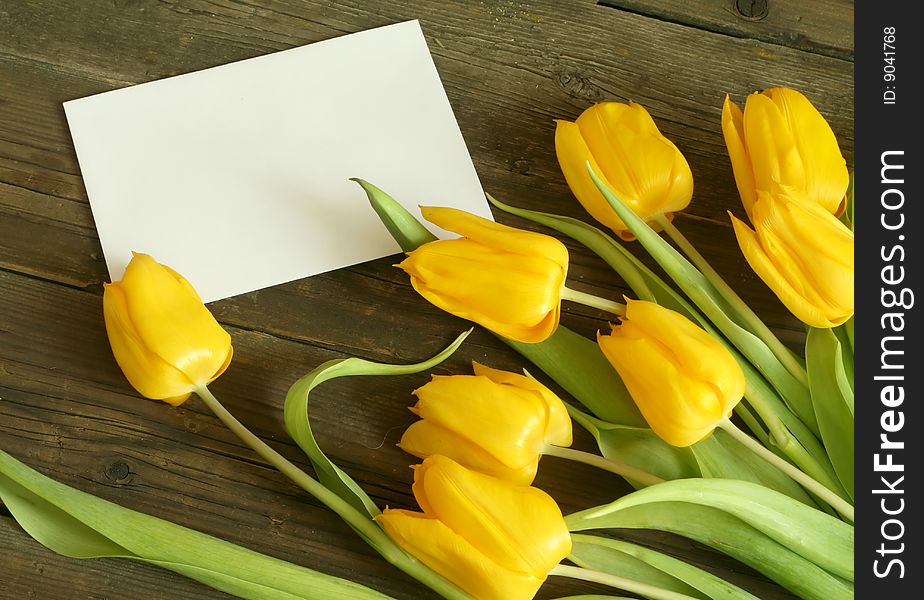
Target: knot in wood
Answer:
[[520, 166], [579, 86], [752, 10], [118, 472]]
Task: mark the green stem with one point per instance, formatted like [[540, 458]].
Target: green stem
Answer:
[[790, 442], [623, 583], [595, 460], [836, 502], [368, 529], [753, 424], [617, 308], [751, 320]]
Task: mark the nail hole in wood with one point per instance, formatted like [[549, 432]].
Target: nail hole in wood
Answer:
[[752, 10]]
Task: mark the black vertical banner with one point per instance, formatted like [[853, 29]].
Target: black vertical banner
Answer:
[[889, 420]]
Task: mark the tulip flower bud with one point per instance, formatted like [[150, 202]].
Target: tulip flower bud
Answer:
[[506, 279], [803, 253], [494, 539], [624, 146], [683, 380], [494, 422], [163, 337], [780, 138]]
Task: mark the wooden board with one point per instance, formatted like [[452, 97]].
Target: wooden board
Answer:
[[509, 69]]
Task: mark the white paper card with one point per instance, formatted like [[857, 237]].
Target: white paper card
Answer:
[[238, 176]]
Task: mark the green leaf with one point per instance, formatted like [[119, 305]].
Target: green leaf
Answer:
[[832, 397], [814, 535], [578, 365], [612, 556], [766, 474], [299, 427], [844, 333], [79, 525], [639, 447], [698, 288], [732, 536], [721, 457], [592, 552], [402, 225]]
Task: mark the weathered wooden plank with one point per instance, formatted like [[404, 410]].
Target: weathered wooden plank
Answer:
[[823, 27], [488, 79]]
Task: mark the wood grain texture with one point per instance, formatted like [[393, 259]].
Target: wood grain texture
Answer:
[[822, 27], [509, 69]]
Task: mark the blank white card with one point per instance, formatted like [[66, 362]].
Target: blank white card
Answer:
[[238, 176]]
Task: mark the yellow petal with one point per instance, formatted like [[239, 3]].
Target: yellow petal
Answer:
[[145, 371], [517, 527], [508, 423], [498, 236], [171, 322], [517, 296], [423, 439], [683, 380], [804, 254], [609, 131], [768, 272], [826, 175], [774, 155], [645, 169], [733, 130], [691, 349], [680, 410], [450, 555], [573, 155], [558, 429]]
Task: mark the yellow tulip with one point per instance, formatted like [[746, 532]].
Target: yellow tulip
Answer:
[[624, 147], [494, 539], [506, 279], [494, 422], [162, 336], [683, 380], [780, 138], [803, 253]]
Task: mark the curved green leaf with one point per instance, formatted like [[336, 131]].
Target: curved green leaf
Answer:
[[610, 556], [832, 397], [591, 552], [732, 536], [766, 474], [79, 525], [299, 427], [817, 536]]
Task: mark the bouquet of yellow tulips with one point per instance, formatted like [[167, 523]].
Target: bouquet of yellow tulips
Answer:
[[729, 437]]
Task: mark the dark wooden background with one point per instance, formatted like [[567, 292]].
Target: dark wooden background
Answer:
[[509, 68]]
